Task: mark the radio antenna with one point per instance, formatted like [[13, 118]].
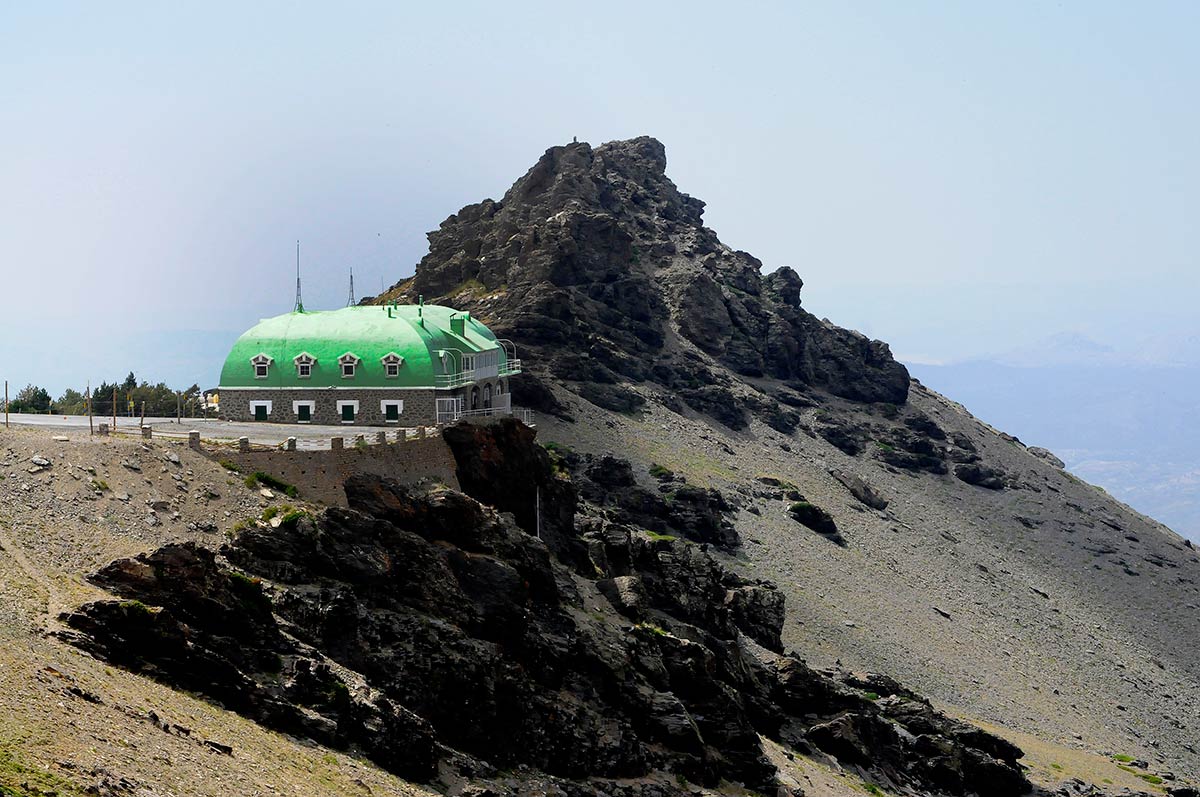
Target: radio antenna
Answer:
[[299, 300]]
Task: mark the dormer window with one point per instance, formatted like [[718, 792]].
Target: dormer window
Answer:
[[391, 364], [304, 364], [261, 364], [348, 362]]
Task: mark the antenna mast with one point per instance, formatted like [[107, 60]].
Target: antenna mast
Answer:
[[350, 301], [299, 308]]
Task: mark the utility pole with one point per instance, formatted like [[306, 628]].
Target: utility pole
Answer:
[[114, 409], [5, 403], [91, 428], [143, 423]]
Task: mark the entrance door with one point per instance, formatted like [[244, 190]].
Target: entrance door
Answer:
[[304, 413], [348, 412], [391, 412], [260, 412]]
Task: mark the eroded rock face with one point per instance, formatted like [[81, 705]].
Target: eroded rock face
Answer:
[[420, 625], [594, 258]]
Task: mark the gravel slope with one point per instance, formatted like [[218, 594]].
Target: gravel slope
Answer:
[[1071, 617]]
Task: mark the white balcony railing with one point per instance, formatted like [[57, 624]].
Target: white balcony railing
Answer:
[[455, 415]]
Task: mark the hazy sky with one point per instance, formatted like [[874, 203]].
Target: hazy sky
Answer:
[[953, 178]]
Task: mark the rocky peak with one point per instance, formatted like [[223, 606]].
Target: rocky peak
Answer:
[[602, 269]]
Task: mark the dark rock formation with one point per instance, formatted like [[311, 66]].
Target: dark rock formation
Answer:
[[420, 625], [594, 258], [860, 489], [979, 475], [817, 519]]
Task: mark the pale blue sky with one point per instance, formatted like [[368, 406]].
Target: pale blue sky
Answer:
[[953, 178]]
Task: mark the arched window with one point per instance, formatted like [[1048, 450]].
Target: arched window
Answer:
[[474, 398], [487, 397]]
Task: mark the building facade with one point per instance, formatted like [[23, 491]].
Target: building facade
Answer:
[[381, 365]]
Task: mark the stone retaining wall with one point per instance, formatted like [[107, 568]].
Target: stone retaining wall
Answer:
[[319, 476]]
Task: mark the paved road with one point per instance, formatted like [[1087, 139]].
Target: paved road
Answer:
[[307, 435]]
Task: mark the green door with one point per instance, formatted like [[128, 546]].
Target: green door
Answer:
[[304, 413], [260, 413], [348, 412], [391, 412]]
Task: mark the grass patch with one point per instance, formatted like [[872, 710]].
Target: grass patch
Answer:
[[464, 286], [1056, 766], [659, 536], [871, 788], [100, 485], [267, 480], [885, 446], [291, 517], [1124, 759], [135, 607], [872, 696], [659, 472], [230, 466], [249, 591], [657, 630], [18, 778]]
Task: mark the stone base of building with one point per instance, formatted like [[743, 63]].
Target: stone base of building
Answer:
[[328, 407]]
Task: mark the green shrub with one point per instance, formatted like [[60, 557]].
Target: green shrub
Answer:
[[267, 480], [871, 695], [659, 472], [135, 607], [659, 536], [657, 630], [291, 517], [100, 485], [231, 466], [249, 591], [1124, 759]]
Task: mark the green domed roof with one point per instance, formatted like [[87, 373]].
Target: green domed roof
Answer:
[[417, 334]]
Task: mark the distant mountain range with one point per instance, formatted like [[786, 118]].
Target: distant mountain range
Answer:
[[1123, 420]]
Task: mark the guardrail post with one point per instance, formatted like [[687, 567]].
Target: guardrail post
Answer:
[[193, 439], [102, 429], [291, 444], [243, 444], [147, 432], [381, 438], [336, 444]]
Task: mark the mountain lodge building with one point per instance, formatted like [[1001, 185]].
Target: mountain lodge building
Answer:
[[377, 365]]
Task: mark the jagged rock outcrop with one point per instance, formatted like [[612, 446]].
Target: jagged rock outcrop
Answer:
[[595, 261], [420, 625]]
